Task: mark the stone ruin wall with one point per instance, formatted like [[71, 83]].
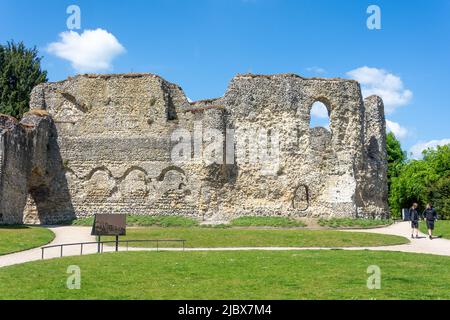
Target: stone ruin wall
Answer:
[[321, 174], [103, 144], [32, 185]]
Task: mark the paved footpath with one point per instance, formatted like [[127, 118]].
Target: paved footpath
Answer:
[[66, 234], [82, 234]]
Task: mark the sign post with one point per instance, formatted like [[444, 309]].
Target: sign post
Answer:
[[109, 225]]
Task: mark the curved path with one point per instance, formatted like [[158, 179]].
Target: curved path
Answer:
[[63, 234], [72, 234]]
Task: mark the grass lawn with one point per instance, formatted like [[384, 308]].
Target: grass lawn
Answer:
[[237, 237], [180, 221], [231, 275], [349, 222], [18, 238], [278, 222], [143, 221], [441, 228], [248, 221]]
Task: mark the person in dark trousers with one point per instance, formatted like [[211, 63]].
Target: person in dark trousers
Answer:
[[430, 216], [415, 217]]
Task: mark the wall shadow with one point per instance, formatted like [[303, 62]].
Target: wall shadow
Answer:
[[48, 186]]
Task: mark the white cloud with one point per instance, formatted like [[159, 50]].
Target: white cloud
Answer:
[[384, 84], [91, 51], [316, 70], [394, 127], [319, 110], [416, 150]]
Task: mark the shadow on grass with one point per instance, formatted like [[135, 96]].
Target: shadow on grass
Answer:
[[21, 226]]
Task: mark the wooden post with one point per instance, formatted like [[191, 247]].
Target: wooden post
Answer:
[[117, 243], [98, 246]]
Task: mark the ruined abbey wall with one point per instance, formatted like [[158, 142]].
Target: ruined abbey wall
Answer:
[[133, 144], [33, 188]]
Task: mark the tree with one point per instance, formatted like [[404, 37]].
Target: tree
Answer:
[[411, 185], [422, 181], [439, 190], [396, 156], [439, 159], [440, 197], [20, 71]]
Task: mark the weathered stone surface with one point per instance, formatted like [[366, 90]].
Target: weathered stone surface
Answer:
[[31, 176], [374, 174], [14, 156], [112, 143], [326, 164]]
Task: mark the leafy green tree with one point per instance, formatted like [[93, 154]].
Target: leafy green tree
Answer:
[[439, 159], [20, 71], [411, 185], [422, 181], [440, 197], [396, 156]]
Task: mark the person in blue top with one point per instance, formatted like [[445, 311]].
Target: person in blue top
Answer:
[[430, 216]]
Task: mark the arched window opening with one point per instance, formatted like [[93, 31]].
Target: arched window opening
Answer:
[[319, 116]]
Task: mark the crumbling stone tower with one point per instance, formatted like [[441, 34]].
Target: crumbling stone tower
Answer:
[[33, 187], [105, 144]]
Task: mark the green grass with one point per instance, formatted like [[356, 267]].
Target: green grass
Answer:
[[135, 220], [441, 228], [19, 238], [236, 237], [278, 222], [353, 223], [82, 222], [242, 275]]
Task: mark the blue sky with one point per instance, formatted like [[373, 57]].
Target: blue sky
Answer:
[[202, 44]]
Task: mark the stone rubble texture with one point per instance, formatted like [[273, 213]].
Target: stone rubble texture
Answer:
[[105, 144]]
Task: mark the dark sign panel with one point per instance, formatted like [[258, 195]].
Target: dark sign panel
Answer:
[[109, 225]]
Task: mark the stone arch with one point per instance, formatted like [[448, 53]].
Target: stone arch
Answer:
[[300, 199], [95, 170], [320, 133], [134, 168], [99, 185], [37, 197], [133, 185], [163, 173], [171, 178], [319, 112]]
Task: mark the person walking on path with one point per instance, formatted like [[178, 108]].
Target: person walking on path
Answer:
[[415, 217], [430, 216]]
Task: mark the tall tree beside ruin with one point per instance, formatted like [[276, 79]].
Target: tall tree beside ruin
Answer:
[[439, 160], [20, 71], [396, 156], [423, 181]]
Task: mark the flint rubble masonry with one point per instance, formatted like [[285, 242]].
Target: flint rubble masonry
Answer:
[[102, 144]]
